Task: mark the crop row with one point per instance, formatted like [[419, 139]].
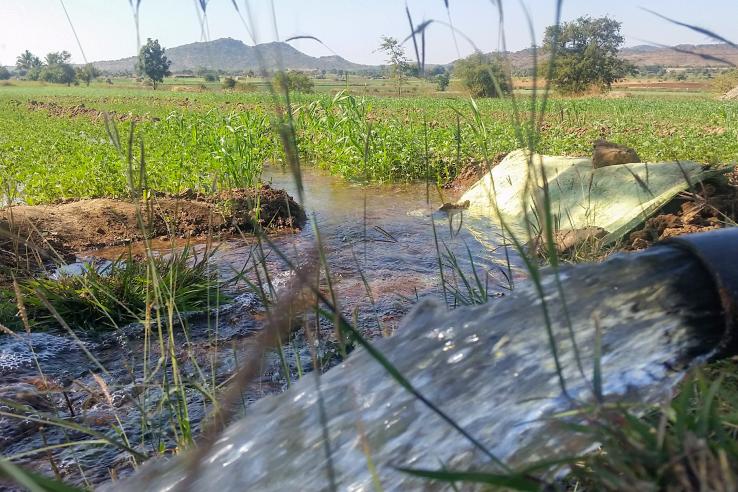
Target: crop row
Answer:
[[54, 144]]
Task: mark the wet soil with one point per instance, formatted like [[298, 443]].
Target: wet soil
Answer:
[[710, 205], [66, 228]]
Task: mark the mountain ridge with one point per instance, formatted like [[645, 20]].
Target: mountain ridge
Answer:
[[232, 55], [679, 56]]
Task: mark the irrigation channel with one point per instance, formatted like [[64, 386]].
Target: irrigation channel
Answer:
[[386, 232]]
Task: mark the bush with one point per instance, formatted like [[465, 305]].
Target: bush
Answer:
[[247, 87], [61, 73], [87, 73], [725, 81], [229, 83], [117, 294], [4, 73], [208, 74], [34, 73], [442, 81], [293, 81], [482, 75]]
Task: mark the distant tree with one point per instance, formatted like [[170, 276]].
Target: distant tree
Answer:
[[437, 70], [27, 61], [152, 62], [412, 71], [586, 54], [4, 73], [33, 74], [59, 73], [396, 59], [293, 81], [229, 83], [442, 81], [482, 75], [56, 69], [208, 75], [87, 73], [57, 58]]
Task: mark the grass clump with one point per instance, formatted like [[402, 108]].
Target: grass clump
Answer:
[[107, 296], [688, 445]]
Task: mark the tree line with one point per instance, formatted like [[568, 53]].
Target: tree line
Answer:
[[576, 56], [56, 68]]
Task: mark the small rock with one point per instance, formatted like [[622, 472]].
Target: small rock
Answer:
[[454, 207], [568, 239], [639, 243], [610, 154]]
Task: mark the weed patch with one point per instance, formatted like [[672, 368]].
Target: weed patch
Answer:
[[108, 296]]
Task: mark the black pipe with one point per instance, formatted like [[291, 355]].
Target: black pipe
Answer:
[[716, 252]]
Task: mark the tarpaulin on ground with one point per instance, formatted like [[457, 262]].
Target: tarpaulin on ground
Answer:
[[615, 198]]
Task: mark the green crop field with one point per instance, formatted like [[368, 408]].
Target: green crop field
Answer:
[[54, 143]]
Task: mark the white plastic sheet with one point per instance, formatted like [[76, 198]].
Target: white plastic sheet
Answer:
[[615, 198]]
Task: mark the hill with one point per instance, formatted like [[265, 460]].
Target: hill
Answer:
[[231, 55], [679, 56]]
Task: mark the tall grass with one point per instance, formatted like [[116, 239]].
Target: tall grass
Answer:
[[111, 295]]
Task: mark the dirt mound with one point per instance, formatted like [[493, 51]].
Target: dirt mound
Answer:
[[188, 88], [712, 205], [472, 172], [60, 111], [617, 95], [611, 154], [81, 225], [730, 95]]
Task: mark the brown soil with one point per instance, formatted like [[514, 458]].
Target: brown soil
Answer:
[[471, 173], [657, 84], [712, 205], [58, 110], [75, 226]]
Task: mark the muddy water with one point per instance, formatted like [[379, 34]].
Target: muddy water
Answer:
[[386, 232]]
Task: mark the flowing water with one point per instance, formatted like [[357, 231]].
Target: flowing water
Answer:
[[384, 231], [490, 368]]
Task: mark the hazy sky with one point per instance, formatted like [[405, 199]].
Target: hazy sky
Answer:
[[349, 27]]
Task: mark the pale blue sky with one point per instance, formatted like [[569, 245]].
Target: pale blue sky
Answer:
[[350, 27]]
